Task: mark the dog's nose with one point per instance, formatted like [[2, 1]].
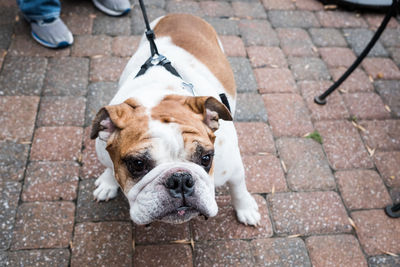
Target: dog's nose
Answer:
[[180, 184]]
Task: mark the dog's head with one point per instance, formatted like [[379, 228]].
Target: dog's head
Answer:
[[163, 156]]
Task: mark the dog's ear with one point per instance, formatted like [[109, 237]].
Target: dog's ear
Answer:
[[110, 118], [211, 108]]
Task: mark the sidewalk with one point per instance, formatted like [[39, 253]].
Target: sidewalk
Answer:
[[321, 205]]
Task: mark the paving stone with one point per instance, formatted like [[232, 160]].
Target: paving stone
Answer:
[[384, 261], [377, 232], [366, 106], [103, 243], [17, 118], [244, 77], [309, 5], [226, 226], [91, 166], [337, 56], [308, 68], [340, 19], [107, 69], [394, 53], [233, 46], [216, 9], [387, 164], [3, 53], [375, 20], [249, 107], [5, 35], [13, 157], [280, 252], [224, 26], [158, 232], [292, 18], [137, 23], [254, 137], [61, 111], [223, 253], [9, 197], [362, 189], [288, 115], [296, 42], [111, 25], [275, 81], [47, 181], [88, 46], [336, 250], [327, 37], [264, 174], [390, 93], [278, 4], [43, 257], [190, 7], [381, 135], [7, 15], [77, 23], [25, 45], [383, 68], [89, 210], [358, 40], [22, 75], [125, 46], [334, 109], [358, 81], [261, 56], [99, 95], [64, 74], [307, 167], [3, 258], [390, 37], [343, 146], [258, 32], [308, 213], [249, 10], [43, 225], [163, 255], [56, 143]]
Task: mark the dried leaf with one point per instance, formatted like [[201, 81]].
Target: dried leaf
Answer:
[[330, 7], [92, 16], [306, 135], [343, 91], [358, 15], [390, 253], [16, 18], [5, 52], [370, 78], [274, 66], [314, 49], [392, 177], [294, 236], [379, 75], [371, 151], [234, 18], [79, 160], [284, 166], [133, 244], [182, 241], [192, 243], [25, 142], [352, 223], [388, 108], [71, 245], [273, 190], [358, 126], [97, 56], [262, 153]]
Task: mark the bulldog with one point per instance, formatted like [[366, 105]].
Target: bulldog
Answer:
[[167, 141]]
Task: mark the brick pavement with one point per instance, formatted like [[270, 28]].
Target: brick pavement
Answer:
[[321, 204]]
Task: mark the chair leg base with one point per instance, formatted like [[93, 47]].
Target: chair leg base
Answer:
[[393, 214], [319, 101]]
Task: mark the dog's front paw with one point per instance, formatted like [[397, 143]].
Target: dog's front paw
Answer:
[[104, 191], [247, 211]]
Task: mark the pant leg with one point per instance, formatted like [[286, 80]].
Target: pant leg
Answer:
[[39, 9]]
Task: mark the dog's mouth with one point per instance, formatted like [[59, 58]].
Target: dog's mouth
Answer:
[[179, 215]]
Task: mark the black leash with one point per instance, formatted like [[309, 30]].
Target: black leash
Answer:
[[159, 60]]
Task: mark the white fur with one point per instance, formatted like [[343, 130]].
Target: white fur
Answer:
[[149, 89]]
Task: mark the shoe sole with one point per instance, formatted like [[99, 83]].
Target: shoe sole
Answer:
[[50, 45], [110, 11]]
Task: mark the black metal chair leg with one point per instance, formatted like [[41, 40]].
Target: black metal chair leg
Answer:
[[393, 211], [321, 100]]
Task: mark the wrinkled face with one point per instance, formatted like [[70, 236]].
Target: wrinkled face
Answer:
[[163, 156]]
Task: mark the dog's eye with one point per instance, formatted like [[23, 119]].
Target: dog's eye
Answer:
[[136, 166], [206, 160]]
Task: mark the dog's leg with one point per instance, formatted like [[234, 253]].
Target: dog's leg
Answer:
[[229, 168], [107, 186]]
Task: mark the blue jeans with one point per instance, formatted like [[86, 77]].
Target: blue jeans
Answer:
[[39, 9]]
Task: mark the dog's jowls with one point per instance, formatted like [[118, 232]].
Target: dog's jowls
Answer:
[[164, 147]]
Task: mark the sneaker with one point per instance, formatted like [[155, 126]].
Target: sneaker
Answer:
[[51, 33], [113, 7]]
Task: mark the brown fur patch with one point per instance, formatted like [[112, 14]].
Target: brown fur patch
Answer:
[[200, 39]]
